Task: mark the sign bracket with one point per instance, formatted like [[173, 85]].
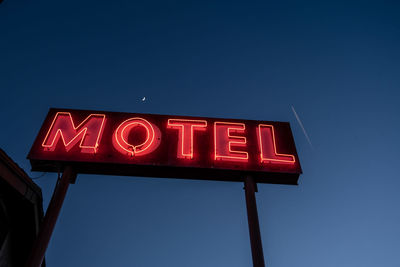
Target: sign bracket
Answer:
[[47, 226], [250, 187]]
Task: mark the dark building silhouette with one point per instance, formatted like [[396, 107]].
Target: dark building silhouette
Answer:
[[21, 212]]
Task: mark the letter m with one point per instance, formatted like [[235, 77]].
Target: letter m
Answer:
[[87, 133]]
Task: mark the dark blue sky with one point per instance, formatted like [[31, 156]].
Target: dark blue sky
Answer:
[[337, 63]]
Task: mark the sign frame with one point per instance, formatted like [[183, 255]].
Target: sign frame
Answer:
[[171, 167]]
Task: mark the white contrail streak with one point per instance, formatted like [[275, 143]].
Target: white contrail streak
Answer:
[[302, 127]]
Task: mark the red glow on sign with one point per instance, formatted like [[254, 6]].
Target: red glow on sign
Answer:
[[268, 153], [186, 131], [121, 134], [224, 140], [88, 132], [175, 146]]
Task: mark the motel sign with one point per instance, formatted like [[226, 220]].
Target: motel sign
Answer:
[[131, 144], [166, 146]]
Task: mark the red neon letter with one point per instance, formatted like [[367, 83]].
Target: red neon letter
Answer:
[[121, 134], [186, 129], [88, 132], [266, 136], [224, 140]]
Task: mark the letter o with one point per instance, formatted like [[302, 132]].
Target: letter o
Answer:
[[120, 137]]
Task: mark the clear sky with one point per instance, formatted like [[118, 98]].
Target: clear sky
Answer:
[[336, 62]]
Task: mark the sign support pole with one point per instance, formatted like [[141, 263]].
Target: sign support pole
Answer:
[[250, 188], [42, 240]]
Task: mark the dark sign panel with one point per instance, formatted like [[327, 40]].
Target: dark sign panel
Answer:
[[166, 146]]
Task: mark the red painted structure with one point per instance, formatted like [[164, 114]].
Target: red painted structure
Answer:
[[166, 146]]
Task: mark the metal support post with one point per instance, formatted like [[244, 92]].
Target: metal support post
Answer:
[[250, 188], [53, 210]]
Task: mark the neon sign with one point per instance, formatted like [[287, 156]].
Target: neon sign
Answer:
[[266, 136], [63, 126], [186, 131], [226, 136], [122, 132], [166, 146]]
